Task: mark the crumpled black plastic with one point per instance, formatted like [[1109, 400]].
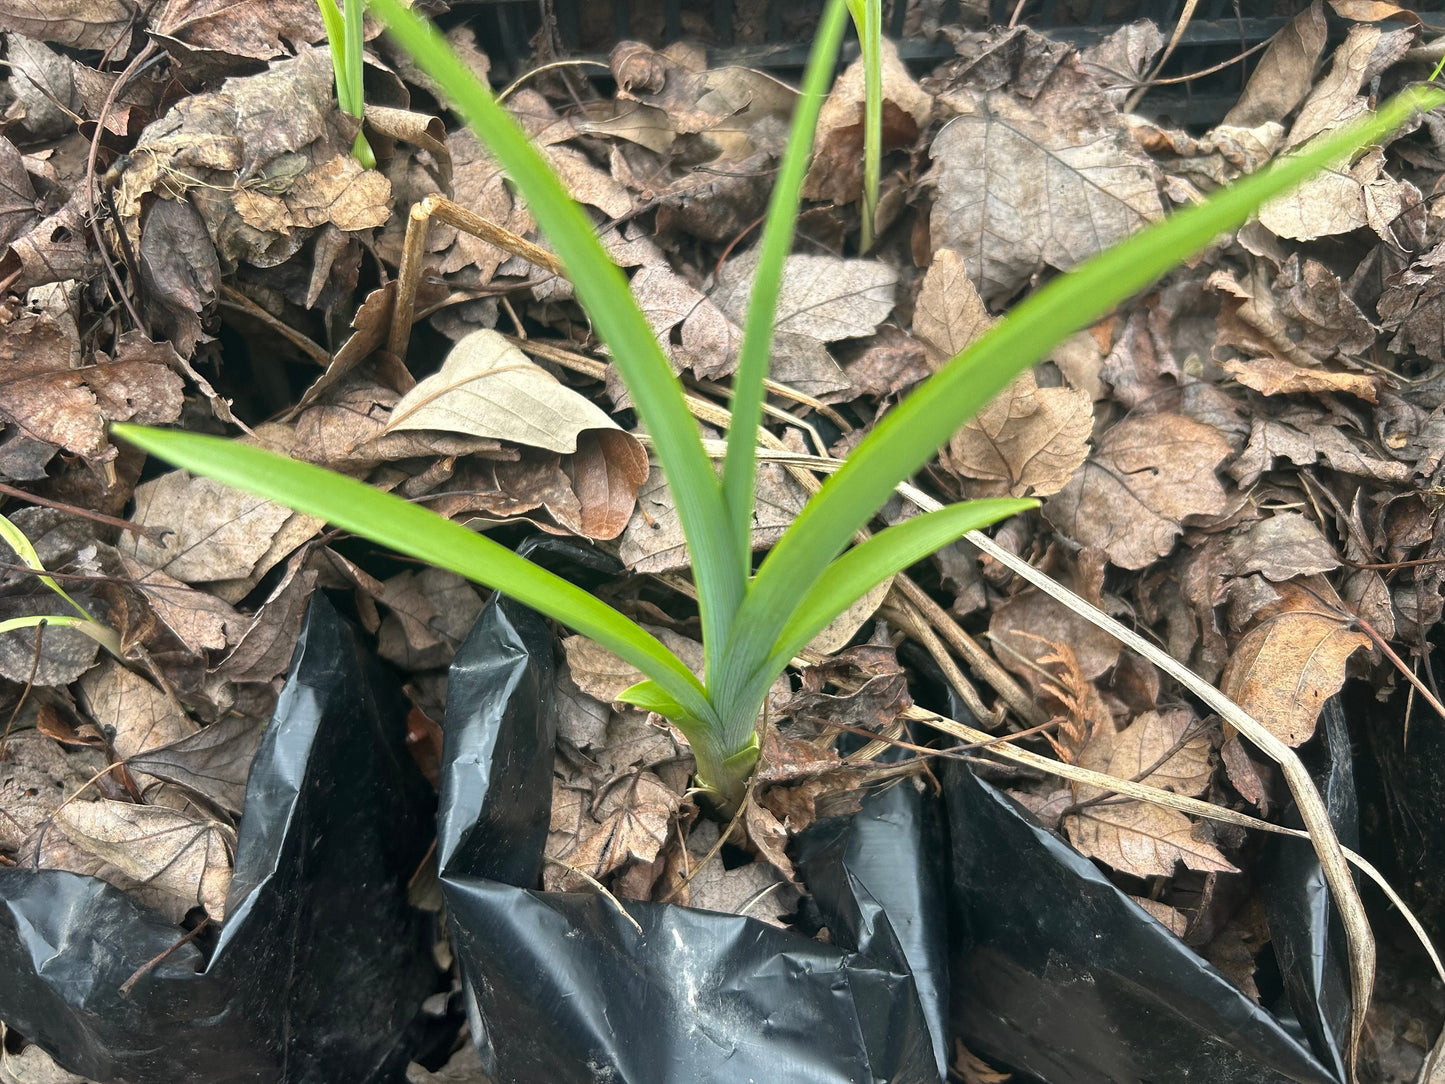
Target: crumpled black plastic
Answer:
[[320, 967], [1059, 974], [561, 987], [1305, 930]]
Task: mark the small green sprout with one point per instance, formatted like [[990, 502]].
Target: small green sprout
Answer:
[[106, 637], [753, 623], [343, 34]]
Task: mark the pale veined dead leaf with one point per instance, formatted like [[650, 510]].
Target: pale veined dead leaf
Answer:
[[1141, 839], [164, 848], [488, 388]]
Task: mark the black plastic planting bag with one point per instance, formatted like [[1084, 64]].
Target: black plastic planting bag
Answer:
[[1059, 974], [1305, 929], [562, 987], [320, 967]]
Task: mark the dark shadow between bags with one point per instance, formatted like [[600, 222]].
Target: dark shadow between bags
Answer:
[[320, 967]]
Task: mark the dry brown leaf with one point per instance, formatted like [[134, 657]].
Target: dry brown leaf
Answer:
[[1413, 306], [178, 853], [1019, 192], [1281, 547], [1139, 751], [1122, 61], [36, 775], [18, 206], [1275, 376], [1145, 477], [1286, 667], [1171, 918], [264, 650], [581, 719], [636, 818], [200, 621], [1028, 441], [479, 185], [653, 540], [488, 388], [259, 29], [215, 762], [430, 614], [1244, 773], [50, 398], [607, 470], [64, 653], [139, 716], [1372, 11], [770, 837], [1336, 201], [211, 531], [1303, 437], [1142, 839], [822, 297], [836, 172], [1336, 98], [949, 315], [82, 24], [338, 191], [1029, 622], [1286, 71], [44, 84], [263, 159], [602, 675]]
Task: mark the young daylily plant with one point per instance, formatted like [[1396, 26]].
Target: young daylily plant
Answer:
[[753, 623]]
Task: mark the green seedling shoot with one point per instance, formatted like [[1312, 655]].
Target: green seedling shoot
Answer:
[[868, 19], [343, 34], [753, 623], [106, 637]]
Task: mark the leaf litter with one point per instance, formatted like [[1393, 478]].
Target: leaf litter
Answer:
[[1245, 462]]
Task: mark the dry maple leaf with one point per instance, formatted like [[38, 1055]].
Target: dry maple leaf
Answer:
[[636, 819], [1145, 477]]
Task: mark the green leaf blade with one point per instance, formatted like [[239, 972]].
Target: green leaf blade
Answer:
[[911, 433], [870, 563], [418, 532], [740, 461], [604, 292]]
